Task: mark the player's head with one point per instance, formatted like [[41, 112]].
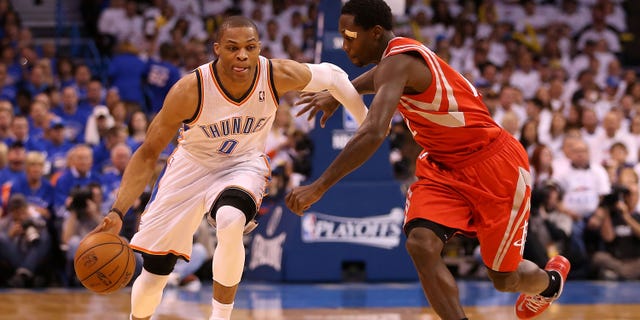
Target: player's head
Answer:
[[237, 47], [365, 26]]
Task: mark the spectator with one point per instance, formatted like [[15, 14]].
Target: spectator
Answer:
[[618, 223], [584, 184], [541, 165], [39, 120], [75, 119], [56, 146], [24, 243], [160, 75], [599, 30], [126, 73], [15, 165], [112, 173], [84, 215], [36, 189], [138, 129], [78, 174], [20, 131]]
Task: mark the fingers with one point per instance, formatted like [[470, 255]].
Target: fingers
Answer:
[[304, 109], [312, 113], [293, 204], [324, 119]]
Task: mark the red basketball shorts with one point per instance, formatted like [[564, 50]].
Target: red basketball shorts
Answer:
[[487, 196]]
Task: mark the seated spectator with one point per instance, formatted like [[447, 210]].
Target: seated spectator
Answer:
[[584, 184], [57, 147], [16, 155], [137, 129], [24, 243], [34, 187], [618, 223], [78, 174], [20, 131], [75, 119], [84, 215]]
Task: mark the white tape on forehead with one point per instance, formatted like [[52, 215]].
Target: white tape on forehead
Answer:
[[350, 34]]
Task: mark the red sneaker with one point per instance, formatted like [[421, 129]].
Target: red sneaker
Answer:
[[527, 306]]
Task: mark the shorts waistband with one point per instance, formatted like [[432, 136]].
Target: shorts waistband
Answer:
[[491, 148]]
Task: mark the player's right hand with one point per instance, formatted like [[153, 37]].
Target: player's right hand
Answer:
[[313, 102], [111, 223]]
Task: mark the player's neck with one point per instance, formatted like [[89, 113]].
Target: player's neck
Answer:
[[384, 42]]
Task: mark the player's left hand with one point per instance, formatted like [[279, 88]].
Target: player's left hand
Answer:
[[301, 198], [313, 102], [111, 223]]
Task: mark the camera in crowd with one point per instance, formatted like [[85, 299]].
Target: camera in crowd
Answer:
[[31, 229], [611, 200]]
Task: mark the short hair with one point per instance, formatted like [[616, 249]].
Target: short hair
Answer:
[[35, 157], [236, 22], [17, 201], [369, 13]]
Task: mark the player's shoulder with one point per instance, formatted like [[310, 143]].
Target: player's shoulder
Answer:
[[284, 65], [189, 80]]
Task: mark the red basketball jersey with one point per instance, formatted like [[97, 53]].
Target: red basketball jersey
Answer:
[[449, 119]]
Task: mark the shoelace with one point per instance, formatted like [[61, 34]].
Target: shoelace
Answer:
[[534, 303]]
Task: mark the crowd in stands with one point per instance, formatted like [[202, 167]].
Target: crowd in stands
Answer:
[[549, 71]]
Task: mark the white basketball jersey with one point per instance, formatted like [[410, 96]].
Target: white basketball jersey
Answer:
[[231, 129]]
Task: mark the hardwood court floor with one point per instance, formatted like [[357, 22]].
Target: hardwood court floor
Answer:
[[581, 301]]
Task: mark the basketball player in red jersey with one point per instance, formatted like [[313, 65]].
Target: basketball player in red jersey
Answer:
[[473, 177]]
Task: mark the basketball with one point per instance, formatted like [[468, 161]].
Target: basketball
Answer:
[[104, 263]]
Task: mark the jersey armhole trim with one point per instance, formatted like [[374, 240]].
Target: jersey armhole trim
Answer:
[[272, 83], [196, 115]]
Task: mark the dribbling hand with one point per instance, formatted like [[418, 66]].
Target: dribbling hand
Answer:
[[111, 223], [318, 101]]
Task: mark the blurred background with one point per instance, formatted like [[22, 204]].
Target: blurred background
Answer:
[[81, 80]]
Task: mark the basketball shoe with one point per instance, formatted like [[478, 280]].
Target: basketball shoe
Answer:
[[530, 306]]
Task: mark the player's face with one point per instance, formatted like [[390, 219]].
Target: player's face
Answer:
[[357, 42], [238, 51]]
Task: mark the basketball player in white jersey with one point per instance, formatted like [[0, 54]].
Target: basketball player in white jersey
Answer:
[[225, 108]]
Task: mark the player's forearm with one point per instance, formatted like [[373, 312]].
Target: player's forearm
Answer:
[[357, 151], [350, 99], [330, 77], [134, 181], [364, 82]]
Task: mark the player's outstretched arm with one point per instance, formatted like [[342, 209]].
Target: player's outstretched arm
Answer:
[[390, 80], [290, 75], [180, 104], [313, 102]]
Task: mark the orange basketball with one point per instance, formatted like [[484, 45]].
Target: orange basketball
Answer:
[[104, 263]]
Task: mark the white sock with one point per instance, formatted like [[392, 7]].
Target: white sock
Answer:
[[146, 293], [221, 311]]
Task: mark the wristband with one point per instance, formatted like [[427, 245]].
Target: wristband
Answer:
[[120, 214]]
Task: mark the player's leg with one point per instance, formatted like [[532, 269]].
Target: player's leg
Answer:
[[231, 211], [146, 292], [425, 241], [170, 220], [502, 230]]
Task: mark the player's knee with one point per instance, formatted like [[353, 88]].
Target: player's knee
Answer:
[[236, 198], [504, 281], [230, 222], [159, 264], [422, 242]]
